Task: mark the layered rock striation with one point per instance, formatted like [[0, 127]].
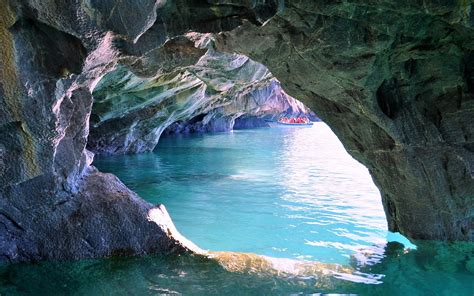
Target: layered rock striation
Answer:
[[203, 90], [249, 107]]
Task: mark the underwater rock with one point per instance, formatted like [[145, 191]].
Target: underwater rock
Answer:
[[248, 262]]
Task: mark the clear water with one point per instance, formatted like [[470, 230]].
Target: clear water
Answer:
[[281, 192], [284, 193]]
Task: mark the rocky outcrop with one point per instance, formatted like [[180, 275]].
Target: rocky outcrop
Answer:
[[394, 80], [103, 219]]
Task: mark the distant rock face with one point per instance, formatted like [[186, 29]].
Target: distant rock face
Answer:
[[255, 103], [130, 112], [394, 80]]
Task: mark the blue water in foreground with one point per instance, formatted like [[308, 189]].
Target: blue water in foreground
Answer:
[[289, 193]]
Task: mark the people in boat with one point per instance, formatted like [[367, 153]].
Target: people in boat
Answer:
[[299, 120]]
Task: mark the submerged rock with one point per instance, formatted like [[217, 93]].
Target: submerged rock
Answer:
[[264, 265]]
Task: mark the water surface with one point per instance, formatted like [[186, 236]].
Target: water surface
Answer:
[[292, 194], [282, 192]]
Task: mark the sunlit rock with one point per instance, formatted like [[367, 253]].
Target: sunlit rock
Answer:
[[193, 80], [259, 101]]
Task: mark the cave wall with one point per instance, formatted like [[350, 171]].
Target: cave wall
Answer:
[[393, 79], [249, 107], [53, 203], [133, 107]]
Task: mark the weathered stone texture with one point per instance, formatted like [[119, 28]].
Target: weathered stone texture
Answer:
[[189, 79]]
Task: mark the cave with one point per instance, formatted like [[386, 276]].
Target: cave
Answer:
[[393, 80]]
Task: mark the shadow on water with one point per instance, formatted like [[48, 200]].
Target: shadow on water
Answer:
[[434, 268]]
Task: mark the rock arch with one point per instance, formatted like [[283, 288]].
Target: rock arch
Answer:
[[393, 79]]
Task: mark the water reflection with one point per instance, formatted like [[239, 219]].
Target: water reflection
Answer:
[[330, 191]]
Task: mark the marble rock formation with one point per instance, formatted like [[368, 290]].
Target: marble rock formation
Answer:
[[196, 88], [393, 79], [255, 102], [53, 203]]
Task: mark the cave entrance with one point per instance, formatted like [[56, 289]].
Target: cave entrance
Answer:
[[293, 193]]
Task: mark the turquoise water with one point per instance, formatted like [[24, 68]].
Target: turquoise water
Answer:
[[282, 192], [285, 193]]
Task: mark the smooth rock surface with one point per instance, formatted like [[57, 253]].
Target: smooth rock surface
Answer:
[[194, 81], [260, 100]]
